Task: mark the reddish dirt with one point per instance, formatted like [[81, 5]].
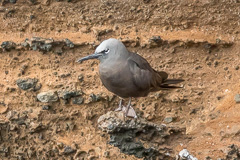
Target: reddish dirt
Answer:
[[205, 106]]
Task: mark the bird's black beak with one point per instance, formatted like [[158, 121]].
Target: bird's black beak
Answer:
[[91, 56]]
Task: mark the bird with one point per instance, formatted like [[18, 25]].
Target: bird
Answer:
[[127, 74]]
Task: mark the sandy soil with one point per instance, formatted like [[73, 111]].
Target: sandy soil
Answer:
[[195, 33]]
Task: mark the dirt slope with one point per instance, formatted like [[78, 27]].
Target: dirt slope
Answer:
[[199, 42]]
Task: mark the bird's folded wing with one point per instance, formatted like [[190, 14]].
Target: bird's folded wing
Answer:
[[142, 76]]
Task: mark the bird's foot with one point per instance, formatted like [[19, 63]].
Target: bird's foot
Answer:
[[130, 112], [120, 108]]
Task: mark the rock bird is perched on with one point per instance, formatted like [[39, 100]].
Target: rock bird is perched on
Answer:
[[127, 74]]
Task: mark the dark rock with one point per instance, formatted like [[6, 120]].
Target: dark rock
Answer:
[[155, 41], [33, 1], [69, 94], [233, 152], [146, 1], [207, 46], [215, 63], [80, 78], [78, 100], [10, 13], [94, 98], [41, 44], [68, 150], [36, 127], [69, 43], [209, 63], [219, 97], [208, 158], [8, 45], [32, 17], [65, 75], [194, 111], [46, 97], [46, 107], [12, 1], [47, 45], [8, 1], [128, 135], [26, 84]]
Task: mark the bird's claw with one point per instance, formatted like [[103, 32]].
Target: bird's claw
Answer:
[[130, 112]]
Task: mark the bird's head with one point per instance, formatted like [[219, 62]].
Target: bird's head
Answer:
[[110, 48]]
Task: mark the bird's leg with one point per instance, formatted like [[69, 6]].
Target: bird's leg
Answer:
[[120, 106], [129, 112]]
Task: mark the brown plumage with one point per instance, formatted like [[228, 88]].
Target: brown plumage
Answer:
[[127, 74]]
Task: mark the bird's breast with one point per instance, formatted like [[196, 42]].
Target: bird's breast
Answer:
[[119, 80], [114, 77], [111, 76]]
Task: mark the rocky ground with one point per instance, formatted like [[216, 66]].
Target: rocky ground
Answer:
[[53, 108]]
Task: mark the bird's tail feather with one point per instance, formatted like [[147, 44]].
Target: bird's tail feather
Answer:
[[172, 81], [167, 83], [169, 87]]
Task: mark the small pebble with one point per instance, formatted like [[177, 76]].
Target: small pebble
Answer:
[[168, 119], [45, 107], [237, 98]]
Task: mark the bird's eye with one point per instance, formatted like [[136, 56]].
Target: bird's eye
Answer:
[[106, 51]]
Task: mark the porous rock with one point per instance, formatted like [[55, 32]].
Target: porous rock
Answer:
[[28, 83], [129, 135], [46, 97], [8, 45]]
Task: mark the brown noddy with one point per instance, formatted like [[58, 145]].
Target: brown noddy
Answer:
[[127, 74]]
